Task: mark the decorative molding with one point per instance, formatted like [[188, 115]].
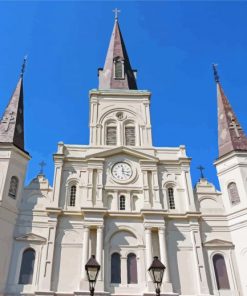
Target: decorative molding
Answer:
[[218, 243], [31, 237]]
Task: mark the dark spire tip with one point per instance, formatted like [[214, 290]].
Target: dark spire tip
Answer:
[[216, 75], [23, 66]]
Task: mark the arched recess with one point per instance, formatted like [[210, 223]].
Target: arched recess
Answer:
[[129, 229], [233, 193], [115, 268], [27, 267], [220, 272], [110, 130], [72, 188], [13, 187], [130, 132], [169, 190], [132, 277]]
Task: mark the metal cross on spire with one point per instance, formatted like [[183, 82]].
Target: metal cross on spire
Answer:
[[42, 164], [201, 168], [216, 75], [116, 11], [23, 66]]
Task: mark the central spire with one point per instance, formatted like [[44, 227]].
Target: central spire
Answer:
[[117, 72]]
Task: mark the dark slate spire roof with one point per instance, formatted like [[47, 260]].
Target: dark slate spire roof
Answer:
[[12, 122], [231, 136], [117, 51]]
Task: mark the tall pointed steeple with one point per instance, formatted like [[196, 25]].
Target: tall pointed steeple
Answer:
[[117, 72], [12, 122], [231, 136]]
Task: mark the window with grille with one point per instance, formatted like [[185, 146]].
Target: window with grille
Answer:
[[130, 135], [233, 193], [119, 70], [171, 200], [72, 196], [115, 268], [13, 186], [122, 202], [131, 269], [27, 266], [221, 272], [111, 135]]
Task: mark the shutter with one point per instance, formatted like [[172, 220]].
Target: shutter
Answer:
[[118, 70], [111, 135], [233, 191], [130, 135]]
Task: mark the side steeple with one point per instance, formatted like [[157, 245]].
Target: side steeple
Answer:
[[117, 72], [12, 122], [231, 136]]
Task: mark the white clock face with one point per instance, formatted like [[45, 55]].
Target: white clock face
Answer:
[[122, 171]]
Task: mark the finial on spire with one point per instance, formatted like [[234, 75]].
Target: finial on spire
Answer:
[[23, 66], [42, 164], [201, 168], [116, 11], [216, 75]]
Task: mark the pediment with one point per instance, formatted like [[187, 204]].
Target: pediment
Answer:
[[31, 237], [125, 150], [218, 243]]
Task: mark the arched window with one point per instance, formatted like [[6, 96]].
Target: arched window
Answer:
[[72, 195], [171, 199], [27, 265], [13, 186], [130, 138], [111, 134], [233, 193], [132, 269], [115, 268], [122, 202], [221, 272], [118, 69]]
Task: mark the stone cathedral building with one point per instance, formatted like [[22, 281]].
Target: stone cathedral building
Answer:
[[123, 200]]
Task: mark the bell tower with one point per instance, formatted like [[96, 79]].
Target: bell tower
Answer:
[[232, 173], [119, 112], [13, 163]]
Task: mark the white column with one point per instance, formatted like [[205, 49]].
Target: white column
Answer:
[[163, 253], [99, 249], [148, 242], [85, 250]]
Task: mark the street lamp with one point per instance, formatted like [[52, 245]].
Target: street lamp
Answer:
[[156, 271], [92, 268]]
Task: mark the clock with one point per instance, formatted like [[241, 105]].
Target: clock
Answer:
[[122, 171]]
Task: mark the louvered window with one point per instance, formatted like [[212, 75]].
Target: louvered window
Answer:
[[72, 196], [171, 200], [111, 135], [130, 135], [13, 187], [122, 203], [119, 70], [233, 193]]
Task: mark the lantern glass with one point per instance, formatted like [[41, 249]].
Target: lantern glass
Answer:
[[92, 273]]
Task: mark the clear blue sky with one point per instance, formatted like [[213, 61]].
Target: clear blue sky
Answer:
[[172, 44]]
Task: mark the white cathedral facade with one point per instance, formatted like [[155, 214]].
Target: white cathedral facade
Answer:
[[123, 200]]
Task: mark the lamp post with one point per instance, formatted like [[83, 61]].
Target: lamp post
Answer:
[[92, 268], [156, 271]]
